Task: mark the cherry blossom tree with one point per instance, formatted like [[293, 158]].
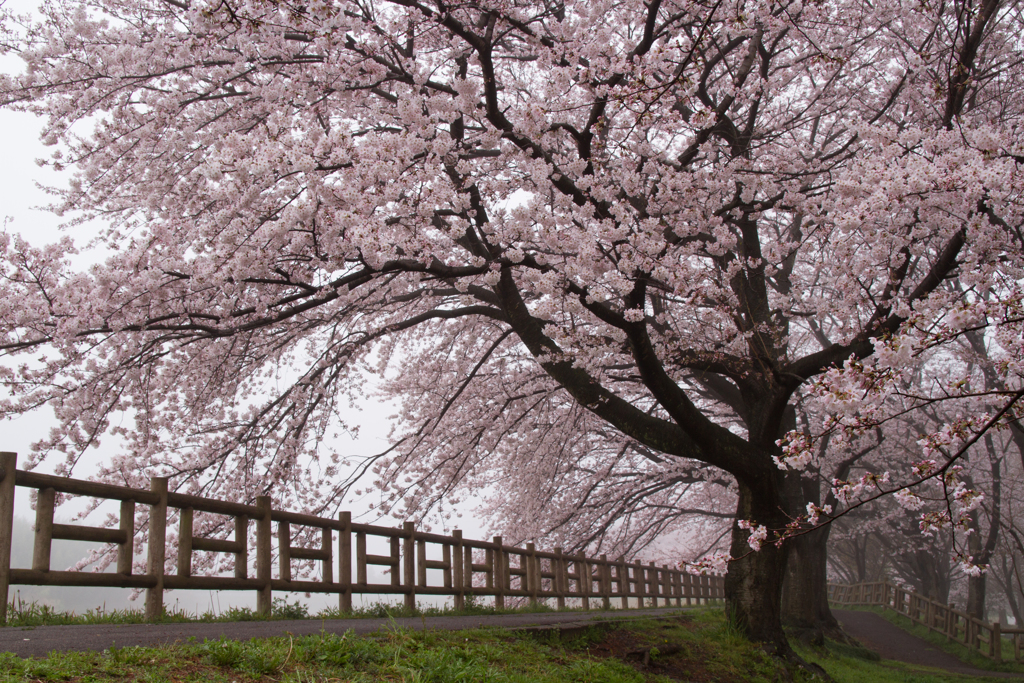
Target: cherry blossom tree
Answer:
[[949, 403], [655, 221]]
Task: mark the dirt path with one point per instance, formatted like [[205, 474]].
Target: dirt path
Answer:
[[892, 642]]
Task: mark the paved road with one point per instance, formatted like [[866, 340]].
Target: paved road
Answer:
[[892, 642], [40, 640]]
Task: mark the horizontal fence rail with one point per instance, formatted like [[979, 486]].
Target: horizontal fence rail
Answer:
[[468, 568], [985, 638]]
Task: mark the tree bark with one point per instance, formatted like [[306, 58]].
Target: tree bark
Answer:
[[805, 587], [976, 589], [981, 552], [753, 586]]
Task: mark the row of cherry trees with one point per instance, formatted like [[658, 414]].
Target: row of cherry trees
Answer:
[[601, 254]]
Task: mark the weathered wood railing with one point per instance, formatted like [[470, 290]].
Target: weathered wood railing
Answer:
[[534, 574], [981, 636]]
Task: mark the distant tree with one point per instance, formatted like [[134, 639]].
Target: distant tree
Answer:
[[673, 215]]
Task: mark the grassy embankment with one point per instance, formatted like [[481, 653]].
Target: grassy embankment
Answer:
[[698, 646]]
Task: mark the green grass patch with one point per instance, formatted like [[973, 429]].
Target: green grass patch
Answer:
[[392, 654], [21, 613], [847, 664], [698, 646]]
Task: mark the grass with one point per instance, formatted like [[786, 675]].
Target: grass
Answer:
[[703, 646], [696, 646], [952, 647], [847, 664], [21, 614]]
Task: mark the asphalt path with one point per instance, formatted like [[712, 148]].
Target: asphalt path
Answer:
[[38, 641], [891, 642]]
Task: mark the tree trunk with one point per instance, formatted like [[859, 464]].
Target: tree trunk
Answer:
[[753, 586], [861, 550], [930, 575], [1006, 581], [805, 588], [981, 553], [976, 587]]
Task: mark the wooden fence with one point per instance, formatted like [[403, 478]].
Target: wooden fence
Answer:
[[980, 636], [467, 567]]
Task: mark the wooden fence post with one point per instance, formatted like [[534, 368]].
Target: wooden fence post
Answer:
[[506, 564], [126, 551], [361, 558], [185, 542], [995, 644], [421, 563], [264, 547], [396, 558], [489, 567], [459, 599], [44, 529], [467, 572], [326, 547], [409, 566], [157, 549], [623, 572], [531, 573], [8, 465], [652, 576], [242, 539], [559, 580], [345, 562], [284, 551], [446, 559], [498, 569], [666, 585], [586, 579], [606, 583], [563, 563]]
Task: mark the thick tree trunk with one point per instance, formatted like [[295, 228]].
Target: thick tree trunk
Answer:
[[805, 588], [753, 586]]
